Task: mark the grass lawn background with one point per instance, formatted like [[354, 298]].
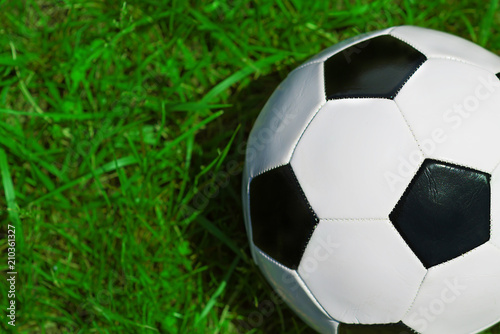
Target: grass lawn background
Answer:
[[122, 130]]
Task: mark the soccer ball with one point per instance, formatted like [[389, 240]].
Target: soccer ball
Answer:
[[371, 188]]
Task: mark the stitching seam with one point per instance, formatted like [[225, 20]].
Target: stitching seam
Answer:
[[313, 297], [307, 126], [266, 170], [416, 294]]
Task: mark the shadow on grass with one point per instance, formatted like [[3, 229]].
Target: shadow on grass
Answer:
[[253, 305]]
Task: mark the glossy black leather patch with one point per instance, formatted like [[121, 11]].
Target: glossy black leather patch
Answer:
[[282, 220], [398, 328], [445, 212], [377, 67]]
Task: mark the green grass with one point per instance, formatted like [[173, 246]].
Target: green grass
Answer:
[[122, 127]]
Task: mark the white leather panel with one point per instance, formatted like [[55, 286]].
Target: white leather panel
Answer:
[[453, 110], [245, 199], [461, 296], [361, 271], [339, 47], [284, 118], [291, 288], [356, 158], [438, 44], [495, 208]]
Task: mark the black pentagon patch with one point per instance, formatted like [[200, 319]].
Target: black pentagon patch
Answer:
[[377, 67], [282, 219], [444, 212], [397, 328]]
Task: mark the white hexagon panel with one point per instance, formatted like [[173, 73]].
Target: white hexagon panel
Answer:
[[345, 137]]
